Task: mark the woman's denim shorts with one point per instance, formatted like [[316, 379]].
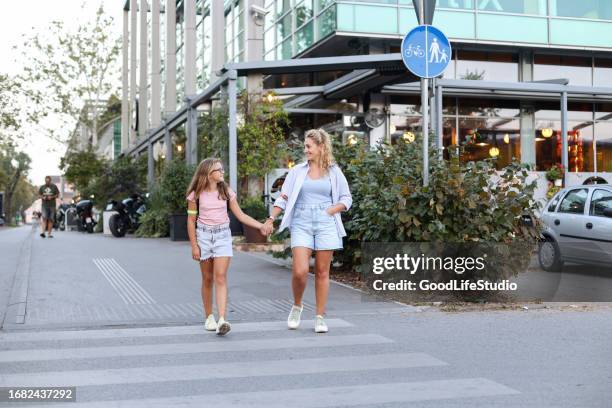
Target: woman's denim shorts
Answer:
[[214, 240], [313, 228]]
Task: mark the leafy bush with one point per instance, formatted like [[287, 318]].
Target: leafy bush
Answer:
[[464, 202], [154, 222], [173, 184], [117, 180], [254, 207]]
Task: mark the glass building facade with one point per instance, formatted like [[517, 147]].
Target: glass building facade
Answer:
[[295, 25], [509, 41]]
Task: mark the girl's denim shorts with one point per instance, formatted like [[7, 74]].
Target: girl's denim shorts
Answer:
[[214, 240], [313, 228]]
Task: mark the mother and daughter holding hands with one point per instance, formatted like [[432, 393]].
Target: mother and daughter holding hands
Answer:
[[312, 197]]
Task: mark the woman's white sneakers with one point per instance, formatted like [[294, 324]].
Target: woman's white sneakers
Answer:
[[293, 321], [223, 327], [210, 324], [320, 326]]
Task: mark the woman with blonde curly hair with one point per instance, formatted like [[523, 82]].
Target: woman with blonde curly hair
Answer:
[[312, 197], [208, 199]]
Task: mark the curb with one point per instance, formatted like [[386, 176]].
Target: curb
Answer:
[[16, 310], [287, 264]]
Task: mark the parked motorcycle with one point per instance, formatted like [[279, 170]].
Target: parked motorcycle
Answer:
[[85, 220], [128, 214]]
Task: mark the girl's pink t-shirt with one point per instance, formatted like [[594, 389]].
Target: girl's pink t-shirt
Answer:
[[212, 211]]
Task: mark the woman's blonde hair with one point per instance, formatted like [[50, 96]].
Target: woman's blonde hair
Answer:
[[199, 181], [323, 140]]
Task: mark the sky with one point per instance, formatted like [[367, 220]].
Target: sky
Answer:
[[28, 17]]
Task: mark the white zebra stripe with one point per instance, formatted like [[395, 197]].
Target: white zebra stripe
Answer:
[[80, 378], [187, 348], [325, 397], [247, 327]]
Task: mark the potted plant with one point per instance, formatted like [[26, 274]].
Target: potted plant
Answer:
[[254, 207], [555, 179], [174, 182], [555, 173]]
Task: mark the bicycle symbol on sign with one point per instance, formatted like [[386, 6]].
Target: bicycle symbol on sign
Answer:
[[414, 51]]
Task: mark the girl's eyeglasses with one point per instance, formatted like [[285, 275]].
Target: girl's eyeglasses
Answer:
[[219, 170]]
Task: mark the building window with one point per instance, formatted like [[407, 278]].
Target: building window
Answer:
[[537, 7], [602, 74], [576, 69], [595, 9], [489, 129], [580, 136], [487, 66], [204, 43], [304, 37], [234, 32], [456, 4], [327, 22], [303, 13]]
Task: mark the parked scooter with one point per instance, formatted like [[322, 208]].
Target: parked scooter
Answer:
[[60, 216], [85, 220], [128, 214]]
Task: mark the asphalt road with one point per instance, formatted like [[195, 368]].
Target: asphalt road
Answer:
[[121, 321]]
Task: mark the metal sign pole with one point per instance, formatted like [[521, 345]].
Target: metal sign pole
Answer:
[[416, 48], [425, 108]]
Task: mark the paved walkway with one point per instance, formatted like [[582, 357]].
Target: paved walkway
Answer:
[[83, 280]]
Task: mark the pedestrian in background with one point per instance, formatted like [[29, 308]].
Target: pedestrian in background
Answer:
[[208, 201], [48, 194], [312, 197]]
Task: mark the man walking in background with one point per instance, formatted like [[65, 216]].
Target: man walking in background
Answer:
[[48, 193]]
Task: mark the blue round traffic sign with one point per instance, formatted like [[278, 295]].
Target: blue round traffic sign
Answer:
[[426, 51]]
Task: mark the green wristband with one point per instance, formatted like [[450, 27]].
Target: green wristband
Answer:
[[192, 212]]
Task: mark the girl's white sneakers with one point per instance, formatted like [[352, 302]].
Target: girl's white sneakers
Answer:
[[223, 327], [210, 324]]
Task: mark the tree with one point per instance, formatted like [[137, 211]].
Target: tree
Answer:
[[71, 72], [80, 167], [8, 109], [118, 179], [14, 166], [13, 110]]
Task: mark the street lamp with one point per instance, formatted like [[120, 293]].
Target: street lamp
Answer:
[[408, 137]]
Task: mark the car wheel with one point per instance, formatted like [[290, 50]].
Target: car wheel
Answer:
[[549, 256]]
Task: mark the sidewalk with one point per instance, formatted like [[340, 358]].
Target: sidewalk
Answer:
[[83, 280]]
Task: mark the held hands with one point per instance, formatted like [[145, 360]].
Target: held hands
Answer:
[[266, 228]]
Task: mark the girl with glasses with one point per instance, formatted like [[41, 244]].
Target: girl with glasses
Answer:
[[208, 200]]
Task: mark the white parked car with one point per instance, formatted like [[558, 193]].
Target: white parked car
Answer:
[[578, 227]]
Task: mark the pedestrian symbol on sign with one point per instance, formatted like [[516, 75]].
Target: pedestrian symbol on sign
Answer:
[[426, 51]]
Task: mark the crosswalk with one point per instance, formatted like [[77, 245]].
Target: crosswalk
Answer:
[[260, 364]]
